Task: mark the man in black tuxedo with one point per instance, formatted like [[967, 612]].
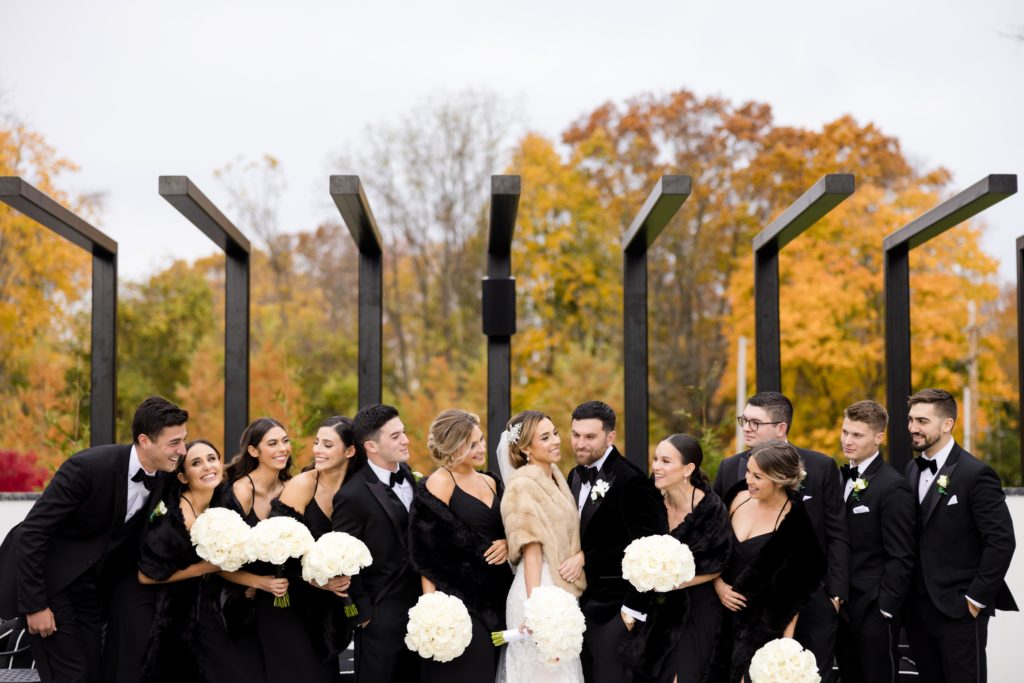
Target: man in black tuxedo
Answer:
[[881, 514], [374, 507], [964, 544], [618, 504], [768, 415], [72, 563]]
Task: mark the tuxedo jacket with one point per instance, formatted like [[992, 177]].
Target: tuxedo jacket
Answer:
[[73, 528], [822, 496], [965, 536], [881, 520], [373, 513], [631, 509]]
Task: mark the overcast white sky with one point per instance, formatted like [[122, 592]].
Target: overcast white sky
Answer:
[[134, 89]]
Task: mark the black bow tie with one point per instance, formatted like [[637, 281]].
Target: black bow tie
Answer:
[[588, 475], [398, 477], [148, 480], [924, 463], [850, 472]]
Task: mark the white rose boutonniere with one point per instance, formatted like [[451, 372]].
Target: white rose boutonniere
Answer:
[[942, 483], [417, 476], [858, 486], [600, 488], [159, 511]]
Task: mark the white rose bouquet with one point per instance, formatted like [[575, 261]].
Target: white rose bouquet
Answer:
[[276, 540], [439, 627], [336, 554], [783, 660], [556, 623], [222, 537], [657, 563]]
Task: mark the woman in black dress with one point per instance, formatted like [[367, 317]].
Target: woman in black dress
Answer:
[[309, 498], [190, 641], [457, 542], [776, 564]]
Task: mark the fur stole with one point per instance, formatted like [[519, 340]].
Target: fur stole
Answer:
[[538, 508], [706, 531], [450, 553]]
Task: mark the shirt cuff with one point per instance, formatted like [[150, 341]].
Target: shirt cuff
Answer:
[[639, 616], [885, 614], [974, 602]]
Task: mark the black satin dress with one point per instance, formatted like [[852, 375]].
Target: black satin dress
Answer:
[[480, 660]]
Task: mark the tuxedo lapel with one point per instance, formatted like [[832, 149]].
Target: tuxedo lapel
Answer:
[[120, 487], [741, 466], [867, 475], [575, 485], [591, 505], [390, 502], [931, 499]]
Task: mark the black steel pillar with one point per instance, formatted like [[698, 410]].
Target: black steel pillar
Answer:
[[498, 307], [183, 195], [1020, 348], [347, 192], [103, 382], [975, 199], [662, 204], [824, 196]]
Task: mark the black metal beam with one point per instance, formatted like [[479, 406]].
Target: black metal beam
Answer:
[[661, 205], [348, 195], [183, 195], [498, 307], [823, 196], [1020, 348], [975, 199], [46, 211]]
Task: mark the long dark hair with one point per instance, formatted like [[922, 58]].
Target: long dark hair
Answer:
[[243, 464], [343, 427], [692, 453]]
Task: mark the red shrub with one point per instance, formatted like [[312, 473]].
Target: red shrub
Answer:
[[19, 472]]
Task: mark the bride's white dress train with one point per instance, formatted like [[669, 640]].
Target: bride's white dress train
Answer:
[[520, 661]]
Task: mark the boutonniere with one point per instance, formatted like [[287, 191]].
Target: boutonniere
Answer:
[[600, 488], [159, 511], [942, 483], [417, 476], [858, 486]]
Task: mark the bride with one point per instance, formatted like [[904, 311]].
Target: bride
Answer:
[[543, 532]]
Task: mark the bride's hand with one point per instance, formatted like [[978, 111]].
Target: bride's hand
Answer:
[[497, 553], [572, 569]]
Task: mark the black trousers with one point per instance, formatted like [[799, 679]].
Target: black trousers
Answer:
[[129, 615], [72, 653], [816, 631], [600, 656], [868, 652], [381, 654], [946, 650]]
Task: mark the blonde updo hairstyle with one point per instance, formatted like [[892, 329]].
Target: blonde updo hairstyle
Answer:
[[780, 462], [528, 419], [450, 432]]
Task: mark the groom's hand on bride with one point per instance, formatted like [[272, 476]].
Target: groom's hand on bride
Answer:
[[572, 569], [497, 553]]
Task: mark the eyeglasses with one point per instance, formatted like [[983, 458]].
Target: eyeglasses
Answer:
[[754, 424]]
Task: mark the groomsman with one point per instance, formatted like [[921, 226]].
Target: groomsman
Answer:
[[768, 415], [374, 507], [881, 513], [964, 544], [617, 504], [72, 563]]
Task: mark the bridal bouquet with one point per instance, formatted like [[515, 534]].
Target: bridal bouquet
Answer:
[[556, 623], [439, 627], [657, 563], [783, 661], [336, 554], [222, 537], [276, 540]]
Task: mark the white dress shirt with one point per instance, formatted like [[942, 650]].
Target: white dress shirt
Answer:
[[402, 490], [138, 494], [585, 488], [861, 468], [926, 476]]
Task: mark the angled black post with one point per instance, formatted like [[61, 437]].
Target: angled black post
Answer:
[[347, 191], [824, 196], [662, 204], [1020, 348], [183, 195], [498, 307], [975, 199], [103, 372]]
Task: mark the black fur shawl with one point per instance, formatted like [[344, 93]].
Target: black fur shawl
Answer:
[[449, 553], [707, 533], [787, 571]]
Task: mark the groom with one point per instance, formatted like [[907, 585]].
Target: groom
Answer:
[[617, 504], [73, 562]]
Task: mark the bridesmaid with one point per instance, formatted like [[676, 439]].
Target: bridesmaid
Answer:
[[309, 498], [189, 641], [457, 542]]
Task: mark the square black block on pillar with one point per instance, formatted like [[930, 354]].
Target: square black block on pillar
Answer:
[[499, 306]]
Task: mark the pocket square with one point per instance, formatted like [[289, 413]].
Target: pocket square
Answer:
[[952, 501], [861, 509], [807, 497]]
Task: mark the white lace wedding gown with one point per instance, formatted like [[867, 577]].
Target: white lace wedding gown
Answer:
[[520, 661]]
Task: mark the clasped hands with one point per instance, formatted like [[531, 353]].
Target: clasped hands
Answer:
[[572, 569]]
